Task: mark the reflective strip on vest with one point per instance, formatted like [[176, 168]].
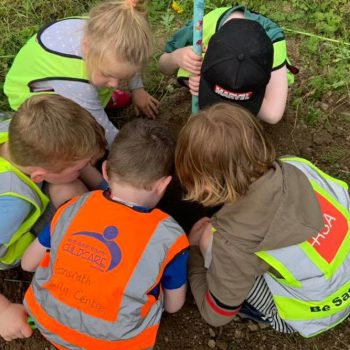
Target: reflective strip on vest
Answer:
[[131, 318], [313, 292], [4, 127], [14, 183]]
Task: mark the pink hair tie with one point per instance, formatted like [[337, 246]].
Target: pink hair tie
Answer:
[[132, 3]]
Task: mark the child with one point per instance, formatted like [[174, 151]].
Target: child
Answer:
[[245, 61], [138, 255], [280, 241], [84, 59], [49, 139]]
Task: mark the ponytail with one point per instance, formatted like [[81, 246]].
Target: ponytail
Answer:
[[120, 29]]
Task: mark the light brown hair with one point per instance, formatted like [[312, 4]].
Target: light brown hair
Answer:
[[51, 131], [220, 152], [118, 29], [142, 153]]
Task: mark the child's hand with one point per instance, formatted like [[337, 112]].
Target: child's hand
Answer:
[[198, 229], [188, 60], [193, 84], [145, 103], [13, 322]]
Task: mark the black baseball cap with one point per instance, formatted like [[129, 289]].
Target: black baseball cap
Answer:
[[237, 65]]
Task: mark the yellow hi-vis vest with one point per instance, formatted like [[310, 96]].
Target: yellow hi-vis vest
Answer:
[[312, 290], [35, 63], [14, 183]]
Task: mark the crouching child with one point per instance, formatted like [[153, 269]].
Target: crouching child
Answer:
[[278, 250], [113, 262]]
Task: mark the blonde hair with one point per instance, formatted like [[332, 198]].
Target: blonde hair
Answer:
[[220, 152], [51, 131], [142, 153], [118, 29]]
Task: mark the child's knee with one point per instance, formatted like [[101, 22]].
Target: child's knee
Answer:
[[61, 193]]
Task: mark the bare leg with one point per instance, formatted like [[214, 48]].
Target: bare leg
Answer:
[[60, 194]]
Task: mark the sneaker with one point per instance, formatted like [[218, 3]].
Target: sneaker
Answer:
[[120, 99], [248, 312]]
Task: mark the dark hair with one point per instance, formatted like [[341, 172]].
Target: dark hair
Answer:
[[142, 153]]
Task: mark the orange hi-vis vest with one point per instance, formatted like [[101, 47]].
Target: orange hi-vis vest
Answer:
[[91, 291]]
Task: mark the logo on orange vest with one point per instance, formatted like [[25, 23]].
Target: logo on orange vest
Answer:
[[329, 240], [97, 257]]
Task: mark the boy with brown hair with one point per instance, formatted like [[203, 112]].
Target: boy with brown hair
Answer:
[[116, 240], [278, 248], [49, 139]]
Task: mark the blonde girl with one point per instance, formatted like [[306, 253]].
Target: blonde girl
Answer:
[[86, 58]]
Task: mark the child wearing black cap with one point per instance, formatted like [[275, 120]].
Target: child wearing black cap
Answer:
[[245, 62]]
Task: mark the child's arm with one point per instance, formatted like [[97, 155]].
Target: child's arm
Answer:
[[275, 98], [174, 282], [36, 251], [179, 53], [92, 178], [61, 193], [32, 256], [13, 320], [174, 299], [213, 307], [184, 58]]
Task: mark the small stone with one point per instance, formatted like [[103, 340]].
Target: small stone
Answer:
[[322, 138], [211, 343], [324, 106], [238, 333], [170, 88], [307, 152], [166, 339], [253, 327], [211, 333], [264, 325], [220, 344]]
